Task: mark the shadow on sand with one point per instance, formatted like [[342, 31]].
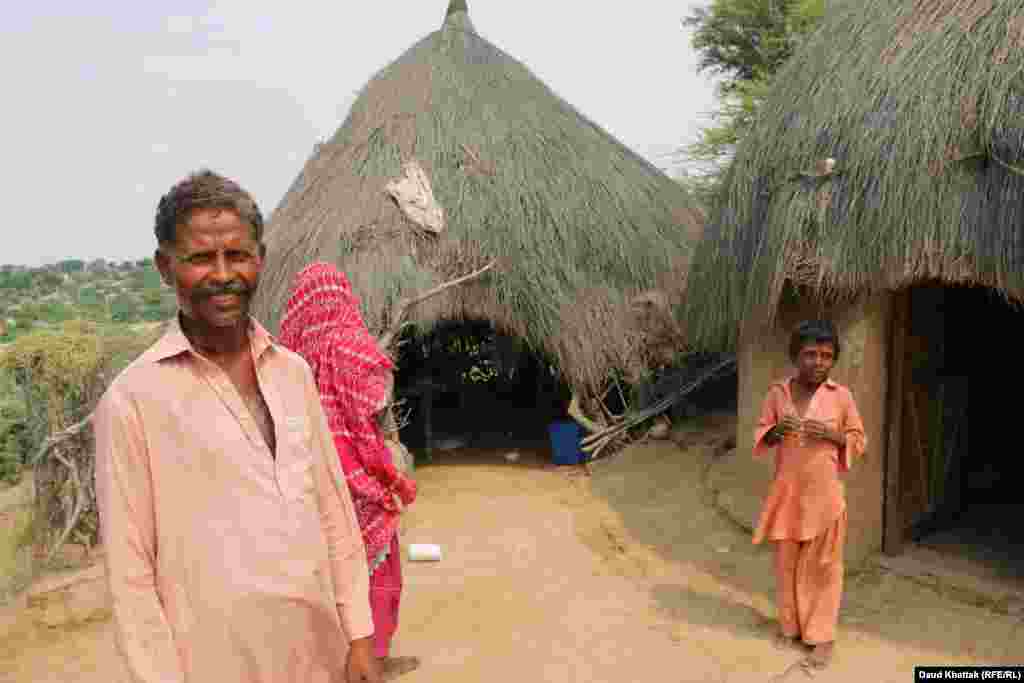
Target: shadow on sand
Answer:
[[658, 492]]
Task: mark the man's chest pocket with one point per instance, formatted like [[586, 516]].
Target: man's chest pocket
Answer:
[[298, 459]]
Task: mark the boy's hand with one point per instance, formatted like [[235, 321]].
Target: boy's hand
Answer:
[[822, 432], [788, 425]]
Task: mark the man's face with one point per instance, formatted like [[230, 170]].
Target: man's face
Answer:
[[214, 266], [814, 362]]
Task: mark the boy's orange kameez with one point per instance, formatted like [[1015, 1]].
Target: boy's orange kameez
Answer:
[[805, 510]]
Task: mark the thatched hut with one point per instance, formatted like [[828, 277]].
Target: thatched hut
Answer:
[[455, 155], [883, 185]]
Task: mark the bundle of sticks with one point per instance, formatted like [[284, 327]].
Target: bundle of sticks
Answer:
[[600, 439]]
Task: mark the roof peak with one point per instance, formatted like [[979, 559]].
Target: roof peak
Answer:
[[454, 7], [457, 16]]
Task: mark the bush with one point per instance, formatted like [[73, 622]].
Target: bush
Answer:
[[71, 266], [124, 309], [152, 297], [13, 439], [18, 281], [54, 312], [88, 296], [13, 430], [60, 375]]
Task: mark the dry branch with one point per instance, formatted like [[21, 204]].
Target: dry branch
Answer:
[[72, 520], [398, 320], [596, 442], [60, 437]]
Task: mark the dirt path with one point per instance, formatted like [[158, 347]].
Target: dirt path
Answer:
[[624, 576]]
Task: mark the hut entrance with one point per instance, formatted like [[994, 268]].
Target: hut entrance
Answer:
[[957, 496], [469, 390]]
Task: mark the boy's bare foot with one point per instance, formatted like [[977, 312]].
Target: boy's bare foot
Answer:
[[783, 641], [820, 656], [393, 667]]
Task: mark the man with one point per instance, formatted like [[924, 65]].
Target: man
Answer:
[[232, 548], [814, 425]]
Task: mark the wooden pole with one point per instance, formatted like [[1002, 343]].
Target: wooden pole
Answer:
[[893, 534], [428, 427]]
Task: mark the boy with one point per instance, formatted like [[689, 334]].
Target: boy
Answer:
[[813, 424]]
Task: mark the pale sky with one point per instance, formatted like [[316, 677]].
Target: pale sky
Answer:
[[106, 104]]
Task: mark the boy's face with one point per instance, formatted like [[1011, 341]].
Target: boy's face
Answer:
[[814, 362]]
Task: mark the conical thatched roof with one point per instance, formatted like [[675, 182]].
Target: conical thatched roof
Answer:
[[579, 224], [921, 105]]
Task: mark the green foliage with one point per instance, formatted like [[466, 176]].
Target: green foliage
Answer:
[[749, 40], [46, 297], [144, 278], [743, 42], [152, 297], [60, 375], [71, 266], [48, 282], [88, 296], [14, 441], [151, 277], [125, 308], [19, 281], [54, 370]]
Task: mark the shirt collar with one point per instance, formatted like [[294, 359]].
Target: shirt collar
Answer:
[[174, 342], [829, 383]]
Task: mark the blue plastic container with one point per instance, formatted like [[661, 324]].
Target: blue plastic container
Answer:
[[565, 442]]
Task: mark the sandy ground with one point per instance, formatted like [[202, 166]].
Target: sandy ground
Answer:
[[625, 576]]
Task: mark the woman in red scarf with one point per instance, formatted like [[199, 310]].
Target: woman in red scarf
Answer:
[[323, 324]]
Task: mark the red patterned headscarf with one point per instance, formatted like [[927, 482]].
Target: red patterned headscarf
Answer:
[[323, 324]]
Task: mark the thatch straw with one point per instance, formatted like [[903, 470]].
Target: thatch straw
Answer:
[[578, 223], [921, 104]]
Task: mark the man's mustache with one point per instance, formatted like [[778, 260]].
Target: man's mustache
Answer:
[[234, 287]]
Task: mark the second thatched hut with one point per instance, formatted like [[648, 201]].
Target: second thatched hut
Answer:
[[883, 186], [456, 155]]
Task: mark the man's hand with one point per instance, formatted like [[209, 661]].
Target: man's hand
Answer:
[[822, 432], [361, 666]]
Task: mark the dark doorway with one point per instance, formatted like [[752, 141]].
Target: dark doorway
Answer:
[[466, 387], [959, 456]]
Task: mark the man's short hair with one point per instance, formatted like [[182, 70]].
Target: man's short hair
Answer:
[[204, 190], [813, 332]]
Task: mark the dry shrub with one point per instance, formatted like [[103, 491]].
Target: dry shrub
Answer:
[[61, 376]]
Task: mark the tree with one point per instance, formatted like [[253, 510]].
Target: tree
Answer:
[[152, 297], [88, 296], [124, 308], [71, 266], [48, 282], [744, 43], [16, 280]]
